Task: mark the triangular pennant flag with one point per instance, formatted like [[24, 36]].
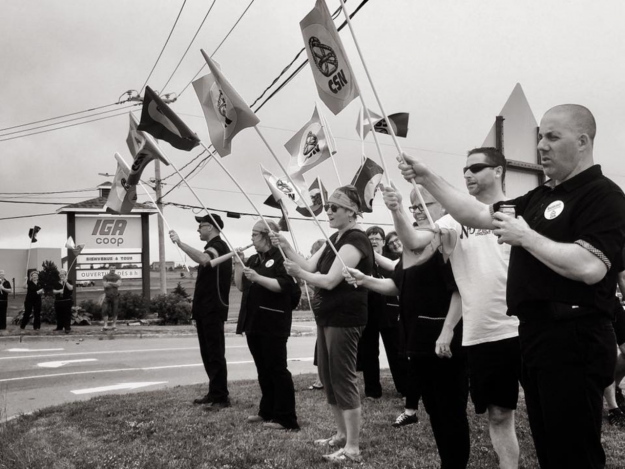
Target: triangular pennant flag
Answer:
[[32, 233], [283, 224], [146, 149], [225, 110], [399, 121], [282, 189], [161, 122], [78, 249], [70, 243], [318, 194], [363, 127], [271, 202], [310, 146], [122, 196], [367, 181], [335, 80]]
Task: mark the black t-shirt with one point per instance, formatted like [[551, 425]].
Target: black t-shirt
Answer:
[[212, 286], [344, 306], [31, 292], [589, 210], [264, 312], [425, 292], [67, 293], [4, 296], [383, 311]]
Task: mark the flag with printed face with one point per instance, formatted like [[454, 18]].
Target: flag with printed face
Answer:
[[161, 122], [335, 80], [310, 146], [225, 110], [318, 195], [32, 233], [143, 149], [399, 121], [367, 180], [282, 189], [122, 196]]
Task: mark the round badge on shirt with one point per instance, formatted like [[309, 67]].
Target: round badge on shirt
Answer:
[[269, 263], [554, 209]]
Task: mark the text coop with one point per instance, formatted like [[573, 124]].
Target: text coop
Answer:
[[109, 231]]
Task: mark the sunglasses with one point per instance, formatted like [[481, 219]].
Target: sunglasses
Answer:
[[477, 167], [419, 208], [332, 207]]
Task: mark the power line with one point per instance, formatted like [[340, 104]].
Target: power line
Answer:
[[60, 117], [46, 193], [30, 216], [64, 127], [65, 121], [218, 47], [190, 44], [165, 45]]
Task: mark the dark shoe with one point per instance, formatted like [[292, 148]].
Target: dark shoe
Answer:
[[620, 399], [217, 405], [405, 419], [616, 417], [58, 329], [203, 400], [67, 331]]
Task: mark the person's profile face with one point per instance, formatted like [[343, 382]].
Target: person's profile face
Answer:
[[204, 229], [558, 146]]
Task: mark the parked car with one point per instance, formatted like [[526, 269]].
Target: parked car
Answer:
[[85, 283]]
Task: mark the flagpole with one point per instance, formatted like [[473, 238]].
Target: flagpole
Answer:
[[218, 160], [299, 193], [184, 262], [288, 224], [328, 136], [323, 201], [204, 206], [389, 125], [29, 247]]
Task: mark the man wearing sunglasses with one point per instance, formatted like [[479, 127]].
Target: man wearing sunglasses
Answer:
[[566, 240], [210, 306], [480, 265]]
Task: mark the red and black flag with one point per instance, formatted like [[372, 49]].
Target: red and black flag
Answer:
[[271, 202], [367, 180], [161, 122], [399, 122], [32, 233]]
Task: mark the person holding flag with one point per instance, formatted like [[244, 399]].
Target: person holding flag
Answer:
[[210, 306], [5, 289], [63, 302], [341, 315], [32, 303], [269, 296]]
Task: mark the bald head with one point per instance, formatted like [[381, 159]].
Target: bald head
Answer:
[[577, 117]]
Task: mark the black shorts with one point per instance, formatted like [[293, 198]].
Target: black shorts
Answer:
[[494, 374], [619, 325]]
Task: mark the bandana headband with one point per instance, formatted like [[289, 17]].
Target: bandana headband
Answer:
[[339, 198]]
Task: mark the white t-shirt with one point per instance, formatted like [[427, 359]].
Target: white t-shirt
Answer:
[[480, 267]]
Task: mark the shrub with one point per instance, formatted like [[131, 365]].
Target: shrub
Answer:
[[93, 308], [48, 315], [48, 276], [181, 291], [172, 308], [132, 306]]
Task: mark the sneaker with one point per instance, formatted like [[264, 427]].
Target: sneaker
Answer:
[[616, 417], [405, 419], [255, 419], [203, 400], [217, 405], [620, 399], [274, 426]]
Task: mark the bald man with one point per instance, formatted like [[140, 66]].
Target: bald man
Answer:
[[566, 240]]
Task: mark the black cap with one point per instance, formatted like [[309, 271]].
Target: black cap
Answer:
[[207, 219]]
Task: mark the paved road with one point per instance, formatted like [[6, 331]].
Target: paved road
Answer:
[[39, 373]]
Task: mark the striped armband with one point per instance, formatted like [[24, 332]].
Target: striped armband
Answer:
[[212, 252], [593, 250], [491, 209]]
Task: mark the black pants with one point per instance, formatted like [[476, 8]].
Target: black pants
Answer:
[[276, 384], [369, 358], [444, 387], [3, 314], [213, 350], [566, 367], [63, 309], [31, 307]]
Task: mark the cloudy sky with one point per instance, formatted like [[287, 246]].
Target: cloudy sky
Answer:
[[451, 64]]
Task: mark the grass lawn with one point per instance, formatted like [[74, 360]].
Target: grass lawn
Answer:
[[162, 429]]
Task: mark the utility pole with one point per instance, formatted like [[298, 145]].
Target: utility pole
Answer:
[[161, 229]]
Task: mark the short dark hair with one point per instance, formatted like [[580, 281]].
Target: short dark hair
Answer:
[[375, 230], [352, 193], [493, 156]]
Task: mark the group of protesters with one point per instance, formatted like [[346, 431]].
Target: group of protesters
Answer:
[[487, 293]]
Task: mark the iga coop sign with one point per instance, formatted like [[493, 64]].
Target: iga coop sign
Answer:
[[109, 232]]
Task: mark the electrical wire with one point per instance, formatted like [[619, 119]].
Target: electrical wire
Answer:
[[65, 121], [190, 44], [47, 193], [165, 45], [218, 47], [30, 216], [66, 126]]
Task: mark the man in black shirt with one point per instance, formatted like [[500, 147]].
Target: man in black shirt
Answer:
[[566, 241], [210, 307], [5, 289]]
